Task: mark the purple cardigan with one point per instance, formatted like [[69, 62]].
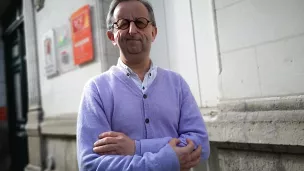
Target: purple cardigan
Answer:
[[112, 102]]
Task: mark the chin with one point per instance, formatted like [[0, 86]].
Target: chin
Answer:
[[135, 52]]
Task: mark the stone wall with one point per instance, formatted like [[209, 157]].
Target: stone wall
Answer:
[[61, 153], [232, 160], [256, 140]]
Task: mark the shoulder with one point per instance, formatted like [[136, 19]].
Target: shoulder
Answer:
[[101, 81], [175, 80], [171, 76]]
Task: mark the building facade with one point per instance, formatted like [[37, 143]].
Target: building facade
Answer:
[[241, 58]]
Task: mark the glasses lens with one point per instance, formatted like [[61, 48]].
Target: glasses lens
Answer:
[[141, 23], [122, 24]]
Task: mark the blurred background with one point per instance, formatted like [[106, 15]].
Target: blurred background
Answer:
[[243, 60]]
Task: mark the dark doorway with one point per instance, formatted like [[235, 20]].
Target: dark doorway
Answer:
[[16, 83]]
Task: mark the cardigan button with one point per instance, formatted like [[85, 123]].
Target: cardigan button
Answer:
[[145, 96], [147, 120]]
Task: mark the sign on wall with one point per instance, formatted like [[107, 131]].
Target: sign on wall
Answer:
[[49, 54], [3, 116], [64, 49], [82, 35]]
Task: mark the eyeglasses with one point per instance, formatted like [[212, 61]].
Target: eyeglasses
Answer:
[[123, 24]]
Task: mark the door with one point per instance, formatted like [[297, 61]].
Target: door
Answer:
[[16, 80]]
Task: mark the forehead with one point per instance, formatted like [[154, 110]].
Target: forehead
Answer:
[[130, 10]]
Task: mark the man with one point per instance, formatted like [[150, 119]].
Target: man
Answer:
[[137, 116]]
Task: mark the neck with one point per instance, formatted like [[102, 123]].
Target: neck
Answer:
[[139, 67]]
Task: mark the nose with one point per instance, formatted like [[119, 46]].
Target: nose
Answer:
[[132, 28]]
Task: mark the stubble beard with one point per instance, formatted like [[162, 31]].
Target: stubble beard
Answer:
[[135, 53]]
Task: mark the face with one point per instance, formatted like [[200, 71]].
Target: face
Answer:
[[134, 41]]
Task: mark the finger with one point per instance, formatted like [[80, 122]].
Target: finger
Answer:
[[185, 164], [109, 153], [190, 146], [187, 159], [109, 134], [114, 153], [183, 159], [105, 148], [174, 141], [185, 167], [190, 142], [192, 163], [104, 141], [197, 153]]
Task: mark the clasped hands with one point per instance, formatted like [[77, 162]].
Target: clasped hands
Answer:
[[115, 143]]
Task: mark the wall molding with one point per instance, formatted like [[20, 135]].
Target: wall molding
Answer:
[[60, 125], [263, 127], [263, 104], [32, 168]]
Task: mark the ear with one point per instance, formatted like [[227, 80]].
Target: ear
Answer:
[[111, 37], [154, 33]]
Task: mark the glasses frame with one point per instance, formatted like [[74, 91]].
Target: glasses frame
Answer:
[[129, 23]]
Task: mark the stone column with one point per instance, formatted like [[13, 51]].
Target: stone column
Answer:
[[35, 144]]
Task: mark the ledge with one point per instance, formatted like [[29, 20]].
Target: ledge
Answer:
[[263, 104], [62, 125], [264, 127], [32, 168], [33, 122]]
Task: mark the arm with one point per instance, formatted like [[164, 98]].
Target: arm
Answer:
[[91, 121], [191, 126], [150, 145]]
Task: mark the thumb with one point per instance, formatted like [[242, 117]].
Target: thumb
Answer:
[[190, 146]]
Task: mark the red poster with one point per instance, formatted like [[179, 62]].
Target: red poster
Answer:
[[82, 35], [3, 114]]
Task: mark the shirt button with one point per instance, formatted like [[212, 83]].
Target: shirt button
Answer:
[[143, 88], [150, 74], [147, 120], [145, 96], [128, 74]]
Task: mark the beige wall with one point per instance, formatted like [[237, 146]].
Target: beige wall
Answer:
[[61, 94], [186, 44], [174, 47], [204, 31], [192, 53], [261, 45]]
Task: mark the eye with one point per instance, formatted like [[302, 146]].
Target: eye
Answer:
[[141, 22], [122, 24]]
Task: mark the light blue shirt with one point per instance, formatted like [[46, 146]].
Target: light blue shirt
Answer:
[[148, 79]]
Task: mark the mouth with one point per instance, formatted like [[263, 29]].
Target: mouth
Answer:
[[133, 40]]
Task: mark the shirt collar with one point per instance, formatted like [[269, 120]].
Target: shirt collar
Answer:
[[126, 69]]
